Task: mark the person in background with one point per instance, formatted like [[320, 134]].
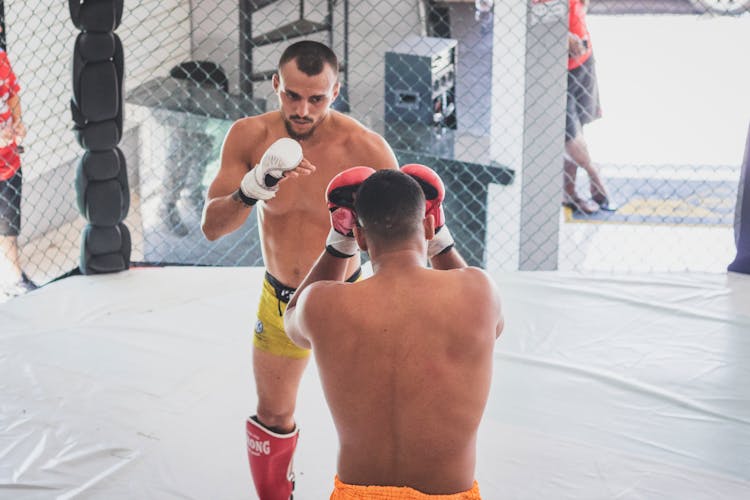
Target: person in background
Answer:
[[582, 107], [13, 280]]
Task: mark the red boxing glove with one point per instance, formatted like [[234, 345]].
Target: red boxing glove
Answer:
[[434, 190], [434, 193], [340, 198]]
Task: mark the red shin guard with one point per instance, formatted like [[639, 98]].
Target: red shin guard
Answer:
[[270, 455]]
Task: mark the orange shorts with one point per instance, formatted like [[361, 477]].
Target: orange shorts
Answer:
[[343, 491]]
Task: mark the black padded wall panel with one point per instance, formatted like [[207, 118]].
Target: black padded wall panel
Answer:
[[96, 15], [102, 189], [98, 136], [105, 249]]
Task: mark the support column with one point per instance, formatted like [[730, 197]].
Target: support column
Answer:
[[529, 82]]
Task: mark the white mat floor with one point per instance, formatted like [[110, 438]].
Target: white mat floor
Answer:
[[137, 385]]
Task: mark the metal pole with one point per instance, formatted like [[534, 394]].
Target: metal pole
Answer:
[[246, 48], [346, 49]]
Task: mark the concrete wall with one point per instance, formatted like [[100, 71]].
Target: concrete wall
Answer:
[[156, 36], [374, 27]]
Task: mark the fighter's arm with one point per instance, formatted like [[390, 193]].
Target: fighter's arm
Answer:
[[303, 307], [451, 259], [224, 211], [237, 186]]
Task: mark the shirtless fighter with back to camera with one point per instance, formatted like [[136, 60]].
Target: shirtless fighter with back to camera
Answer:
[[405, 356]]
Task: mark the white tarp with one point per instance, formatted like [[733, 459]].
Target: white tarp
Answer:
[[137, 385]]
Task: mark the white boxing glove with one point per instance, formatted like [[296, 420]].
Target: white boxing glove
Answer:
[[260, 183]]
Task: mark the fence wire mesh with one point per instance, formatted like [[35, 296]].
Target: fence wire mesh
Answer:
[[475, 89]]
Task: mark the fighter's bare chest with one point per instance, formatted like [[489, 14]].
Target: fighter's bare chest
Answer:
[[305, 193]]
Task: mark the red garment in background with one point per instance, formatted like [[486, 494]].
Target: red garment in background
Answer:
[[577, 26], [10, 162]]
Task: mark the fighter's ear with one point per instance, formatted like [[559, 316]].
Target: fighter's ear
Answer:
[[336, 90], [359, 235], [429, 226]]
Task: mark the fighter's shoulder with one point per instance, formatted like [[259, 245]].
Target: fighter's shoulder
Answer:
[[476, 278], [474, 288], [251, 129], [322, 290], [358, 137], [316, 299]]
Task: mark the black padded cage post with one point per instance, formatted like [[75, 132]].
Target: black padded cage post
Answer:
[[101, 178], [2, 25]]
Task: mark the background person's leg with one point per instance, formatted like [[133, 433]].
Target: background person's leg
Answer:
[[578, 151], [575, 155], [10, 263], [570, 167], [13, 281]]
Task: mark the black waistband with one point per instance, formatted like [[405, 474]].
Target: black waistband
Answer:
[[284, 293]]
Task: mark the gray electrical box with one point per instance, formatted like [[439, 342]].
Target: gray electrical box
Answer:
[[420, 95], [420, 82]]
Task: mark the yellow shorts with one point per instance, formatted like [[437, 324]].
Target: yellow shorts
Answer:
[[343, 491], [269, 328]]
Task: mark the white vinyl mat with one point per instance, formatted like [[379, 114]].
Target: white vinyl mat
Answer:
[[137, 386]]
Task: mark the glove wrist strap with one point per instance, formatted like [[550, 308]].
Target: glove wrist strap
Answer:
[[246, 200], [341, 246], [440, 243]]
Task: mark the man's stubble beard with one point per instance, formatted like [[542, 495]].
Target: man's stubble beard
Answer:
[[297, 136]]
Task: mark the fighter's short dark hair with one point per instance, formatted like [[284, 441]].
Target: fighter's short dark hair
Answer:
[[390, 206], [310, 56]]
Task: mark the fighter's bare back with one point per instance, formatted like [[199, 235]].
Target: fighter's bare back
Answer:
[[433, 363]]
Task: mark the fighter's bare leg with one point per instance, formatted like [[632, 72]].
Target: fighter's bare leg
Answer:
[[272, 434], [277, 380]]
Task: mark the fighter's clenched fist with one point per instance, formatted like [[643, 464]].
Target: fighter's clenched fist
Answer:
[[340, 198], [260, 183]]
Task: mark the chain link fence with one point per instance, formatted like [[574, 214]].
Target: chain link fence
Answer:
[[475, 89]]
